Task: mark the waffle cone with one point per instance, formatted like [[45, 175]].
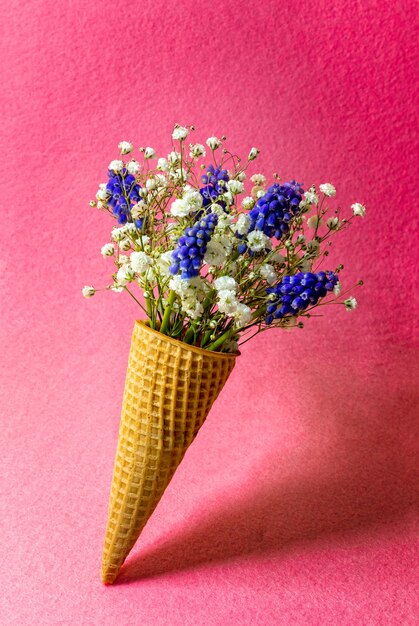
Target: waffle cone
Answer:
[[169, 390]]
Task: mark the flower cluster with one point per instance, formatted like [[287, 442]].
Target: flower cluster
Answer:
[[296, 293], [212, 252], [192, 246]]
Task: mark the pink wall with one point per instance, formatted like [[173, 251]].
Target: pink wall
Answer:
[[294, 506]]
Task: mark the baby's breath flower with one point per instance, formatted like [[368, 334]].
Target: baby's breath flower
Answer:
[[227, 301], [133, 167], [332, 223], [337, 288], [174, 157], [248, 203], [313, 247], [268, 273], [125, 275], [125, 244], [196, 150], [88, 291], [257, 241], [140, 262], [225, 283], [235, 186], [314, 221], [253, 154], [350, 303], [358, 209], [125, 147], [213, 143], [117, 234], [149, 153], [258, 179], [117, 288], [241, 176], [328, 189], [116, 166], [310, 197], [107, 250], [242, 315], [162, 164], [180, 133]]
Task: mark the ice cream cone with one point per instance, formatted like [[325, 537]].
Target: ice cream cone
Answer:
[[170, 387]]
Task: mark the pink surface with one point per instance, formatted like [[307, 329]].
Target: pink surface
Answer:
[[295, 505]]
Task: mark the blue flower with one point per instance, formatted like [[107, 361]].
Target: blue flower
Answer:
[[293, 294], [273, 211], [123, 194], [213, 185], [191, 247]]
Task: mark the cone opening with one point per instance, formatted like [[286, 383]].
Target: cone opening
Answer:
[[222, 355]]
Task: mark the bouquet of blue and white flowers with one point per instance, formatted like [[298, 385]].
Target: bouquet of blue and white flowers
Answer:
[[210, 265], [214, 263]]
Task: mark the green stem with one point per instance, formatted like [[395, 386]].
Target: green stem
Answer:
[[218, 342], [167, 311]]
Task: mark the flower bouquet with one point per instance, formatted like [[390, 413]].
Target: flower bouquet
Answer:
[[210, 266]]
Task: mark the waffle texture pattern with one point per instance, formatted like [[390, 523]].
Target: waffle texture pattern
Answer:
[[169, 390]]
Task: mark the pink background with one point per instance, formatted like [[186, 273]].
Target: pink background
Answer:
[[295, 505]]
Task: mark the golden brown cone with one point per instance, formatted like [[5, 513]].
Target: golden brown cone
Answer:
[[169, 390]]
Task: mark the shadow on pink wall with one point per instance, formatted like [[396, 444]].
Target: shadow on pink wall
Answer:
[[363, 479]]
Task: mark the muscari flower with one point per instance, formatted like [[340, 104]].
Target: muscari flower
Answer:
[[123, 193], [274, 210], [188, 256], [215, 180], [293, 294]]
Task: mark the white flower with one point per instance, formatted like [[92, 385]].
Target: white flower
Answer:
[[337, 288], [313, 247], [192, 307], [248, 203], [125, 244], [253, 154], [350, 303], [88, 291], [358, 209], [196, 150], [173, 157], [242, 315], [213, 143], [151, 183], [257, 241], [162, 164], [103, 193], [276, 257], [268, 273], [235, 186], [116, 166], [314, 221], [123, 259], [327, 189], [149, 153], [139, 209], [310, 197], [258, 179], [118, 234], [260, 193], [130, 228], [143, 240], [215, 253], [225, 283], [241, 176], [164, 262], [133, 167], [107, 250], [125, 275], [117, 288], [140, 262], [332, 223], [227, 301], [180, 133], [190, 202], [125, 147], [243, 224]]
